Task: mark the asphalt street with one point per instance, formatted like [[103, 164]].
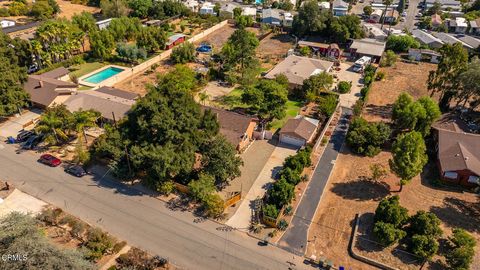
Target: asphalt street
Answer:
[[141, 220], [295, 238]]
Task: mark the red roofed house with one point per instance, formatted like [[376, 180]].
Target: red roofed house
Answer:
[[458, 153], [174, 41]]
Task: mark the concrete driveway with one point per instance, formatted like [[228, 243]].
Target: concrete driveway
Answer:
[[21, 202], [16, 123], [346, 74], [242, 218]]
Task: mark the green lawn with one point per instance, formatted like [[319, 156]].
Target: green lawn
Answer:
[[293, 107], [232, 100], [82, 69]]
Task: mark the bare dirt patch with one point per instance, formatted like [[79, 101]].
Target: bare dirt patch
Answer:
[[219, 37], [403, 77], [350, 191], [273, 49], [67, 9]]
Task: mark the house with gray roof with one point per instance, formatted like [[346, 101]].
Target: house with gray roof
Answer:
[[299, 68], [475, 27], [272, 16], [367, 47], [427, 39], [469, 40], [450, 39], [340, 8]]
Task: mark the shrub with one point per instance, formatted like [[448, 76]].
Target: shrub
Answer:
[[344, 87], [282, 225], [214, 205], [291, 176], [166, 187], [50, 216], [390, 211], [305, 51], [98, 243], [389, 59], [118, 246], [366, 138], [380, 76], [324, 141], [358, 107], [183, 53], [425, 223], [270, 210], [288, 210], [401, 43], [281, 193], [387, 234], [461, 250], [423, 246], [201, 188], [364, 91], [77, 229], [327, 104]]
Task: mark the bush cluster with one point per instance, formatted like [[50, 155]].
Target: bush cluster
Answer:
[[366, 138]]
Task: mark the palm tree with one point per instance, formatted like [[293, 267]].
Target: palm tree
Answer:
[[83, 119], [52, 127], [387, 3]]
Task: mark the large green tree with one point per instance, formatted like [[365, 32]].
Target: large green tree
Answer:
[[267, 99], [219, 158], [317, 84], [54, 124], [12, 95], [390, 211], [310, 19], [461, 250], [85, 22], [415, 115], [446, 79], [425, 223], [151, 38], [101, 44], [367, 138], [125, 28], [183, 54], [140, 8], [409, 156], [470, 86], [113, 8]]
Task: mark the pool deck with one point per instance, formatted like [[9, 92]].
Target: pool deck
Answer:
[[107, 82]]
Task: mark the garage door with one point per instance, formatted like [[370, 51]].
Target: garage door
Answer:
[[292, 140]]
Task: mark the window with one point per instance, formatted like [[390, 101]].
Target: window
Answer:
[[474, 179], [450, 175]]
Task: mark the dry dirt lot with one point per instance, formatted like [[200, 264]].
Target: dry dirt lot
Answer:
[[350, 191], [403, 77], [68, 9], [273, 49]]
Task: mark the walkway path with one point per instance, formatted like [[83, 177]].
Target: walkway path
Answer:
[[242, 217], [295, 238]]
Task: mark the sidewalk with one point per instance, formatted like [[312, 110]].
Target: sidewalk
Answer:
[[241, 219]]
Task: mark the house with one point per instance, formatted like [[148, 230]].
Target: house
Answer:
[[367, 47], [450, 39], [372, 31], [459, 25], [424, 55], [298, 68], [427, 39], [376, 16], [7, 23], [237, 128], [287, 19], [192, 5], [46, 90], [272, 16], [391, 16], [60, 73], [379, 4], [226, 11], [323, 5], [436, 21], [446, 5], [469, 40], [174, 40], [340, 8], [113, 104], [475, 27], [298, 131], [207, 9], [249, 11], [458, 152], [328, 50], [103, 24]]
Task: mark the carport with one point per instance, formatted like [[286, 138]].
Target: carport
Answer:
[[26, 120]]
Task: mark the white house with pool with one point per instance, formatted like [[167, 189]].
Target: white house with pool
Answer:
[[106, 76]]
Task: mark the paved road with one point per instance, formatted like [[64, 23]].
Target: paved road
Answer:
[[141, 220], [295, 238]]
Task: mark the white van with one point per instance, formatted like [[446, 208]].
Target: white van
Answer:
[[361, 63]]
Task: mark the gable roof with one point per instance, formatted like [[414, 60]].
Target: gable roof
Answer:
[[368, 46], [299, 127], [271, 12], [339, 4], [449, 39], [424, 37], [43, 90], [56, 73], [459, 151], [232, 125], [118, 93], [104, 103], [298, 68]]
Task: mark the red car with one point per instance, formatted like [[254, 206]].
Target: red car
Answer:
[[49, 160]]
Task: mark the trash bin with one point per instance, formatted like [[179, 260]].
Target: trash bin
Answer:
[[10, 140]]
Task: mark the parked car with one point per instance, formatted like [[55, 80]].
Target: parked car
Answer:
[[24, 135], [32, 142], [49, 160], [404, 14], [76, 170]]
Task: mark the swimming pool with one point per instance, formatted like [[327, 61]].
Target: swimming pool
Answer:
[[103, 75]]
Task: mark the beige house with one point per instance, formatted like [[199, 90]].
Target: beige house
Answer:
[[299, 68]]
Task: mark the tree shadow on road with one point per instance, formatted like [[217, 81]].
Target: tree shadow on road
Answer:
[[362, 189]]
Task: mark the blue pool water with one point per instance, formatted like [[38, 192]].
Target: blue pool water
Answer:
[[258, 2], [103, 75]]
